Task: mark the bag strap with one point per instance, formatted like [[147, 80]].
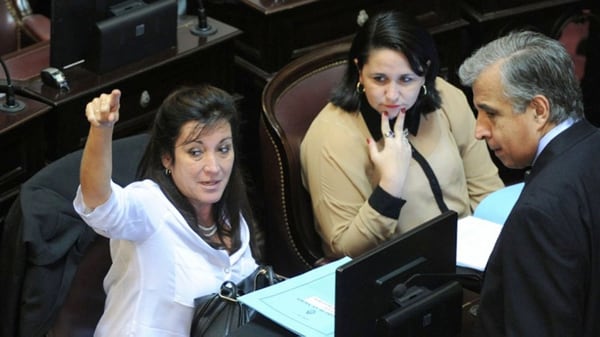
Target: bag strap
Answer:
[[229, 291], [433, 182]]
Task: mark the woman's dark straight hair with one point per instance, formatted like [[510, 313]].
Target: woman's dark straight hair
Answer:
[[208, 106], [397, 31]]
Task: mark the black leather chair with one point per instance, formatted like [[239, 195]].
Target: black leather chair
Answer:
[[291, 100], [52, 264]]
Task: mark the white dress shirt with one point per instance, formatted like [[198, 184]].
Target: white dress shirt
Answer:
[[159, 263], [552, 134]]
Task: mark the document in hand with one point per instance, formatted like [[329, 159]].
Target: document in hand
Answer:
[[475, 241], [304, 304]]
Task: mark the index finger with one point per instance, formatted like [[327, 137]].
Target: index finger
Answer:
[[399, 125], [385, 123], [114, 100]]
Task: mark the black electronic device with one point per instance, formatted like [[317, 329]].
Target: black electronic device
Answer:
[[424, 311], [202, 28], [105, 34], [11, 104], [137, 30], [71, 31], [366, 303], [55, 78]]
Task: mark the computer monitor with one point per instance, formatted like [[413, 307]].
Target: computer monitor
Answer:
[[104, 34], [71, 31], [365, 285]]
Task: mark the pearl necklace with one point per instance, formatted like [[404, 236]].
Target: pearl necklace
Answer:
[[208, 231]]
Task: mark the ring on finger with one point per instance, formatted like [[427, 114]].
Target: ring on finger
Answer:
[[405, 137], [390, 134]]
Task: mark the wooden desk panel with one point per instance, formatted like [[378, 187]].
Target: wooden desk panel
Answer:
[[543, 16], [275, 32], [490, 8], [22, 146]]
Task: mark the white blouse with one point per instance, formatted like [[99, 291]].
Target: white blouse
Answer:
[[159, 263]]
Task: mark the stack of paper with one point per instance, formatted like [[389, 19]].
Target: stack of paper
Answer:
[[476, 238]]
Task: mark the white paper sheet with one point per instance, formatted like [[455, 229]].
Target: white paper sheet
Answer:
[[476, 238]]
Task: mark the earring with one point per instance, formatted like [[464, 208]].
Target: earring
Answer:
[[167, 172], [359, 87], [424, 90]]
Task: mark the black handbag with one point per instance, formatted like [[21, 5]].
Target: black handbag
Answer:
[[217, 315]]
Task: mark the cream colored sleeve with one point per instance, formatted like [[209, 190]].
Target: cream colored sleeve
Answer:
[[337, 173]]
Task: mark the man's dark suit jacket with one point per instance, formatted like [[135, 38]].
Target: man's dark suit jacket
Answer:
[[543, 276]]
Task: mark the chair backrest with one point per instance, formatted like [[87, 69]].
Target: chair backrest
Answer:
[[291, 100], [9, 29], [84, 302], [20, 27]]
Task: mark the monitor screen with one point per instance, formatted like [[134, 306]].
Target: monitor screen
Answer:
[[364, 285], [71, 29], [103, 34]]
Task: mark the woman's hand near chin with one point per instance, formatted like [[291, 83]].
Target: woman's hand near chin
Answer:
[[392, 161]]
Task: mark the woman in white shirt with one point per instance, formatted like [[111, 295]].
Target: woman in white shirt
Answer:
[[183, 228]]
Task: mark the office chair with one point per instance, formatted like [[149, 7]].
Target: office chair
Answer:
[[290, 101], [52, 264], [20, 27]]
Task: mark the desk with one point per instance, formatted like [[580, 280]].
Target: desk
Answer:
[[144, 83], [21, 142], [546, 17], [278, 31]]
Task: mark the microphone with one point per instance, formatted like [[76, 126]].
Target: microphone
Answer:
[[12, 104], [421, 284], [404, 296], [203, 28]]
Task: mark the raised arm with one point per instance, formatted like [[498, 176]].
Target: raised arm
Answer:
[[96, 164]]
